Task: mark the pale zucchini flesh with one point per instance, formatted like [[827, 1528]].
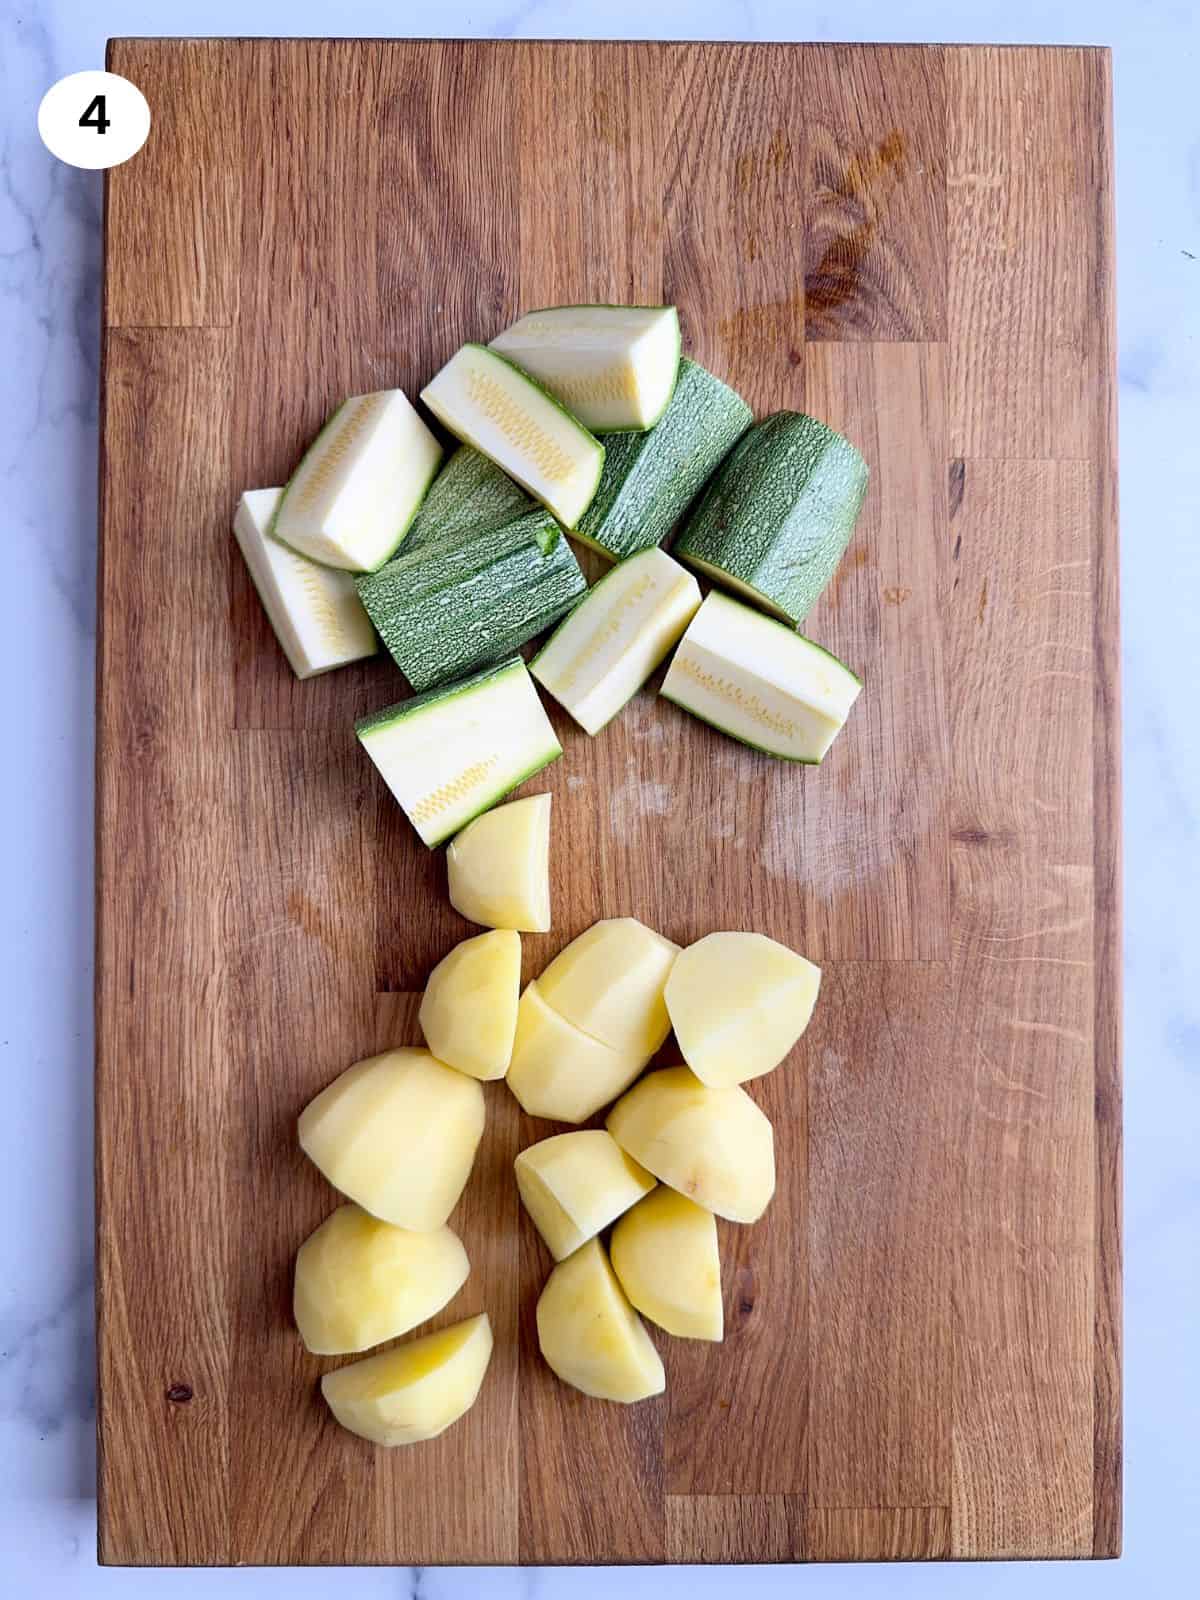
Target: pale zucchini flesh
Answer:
[[453, 752], [491, 404], [761, 683], [650, 479], [601, 655], [614, 367], [352, 498], [454, 605], [315, 611]]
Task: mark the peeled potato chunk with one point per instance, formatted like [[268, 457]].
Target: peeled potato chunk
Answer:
[[559, 1072], [664, 1253], [609, 983], [591, 1336], [738, 1002], [469, 1010], [713, 1145], [574, 1184], [416, 1391], [360, 1281], [398, 1134], [499, 867]]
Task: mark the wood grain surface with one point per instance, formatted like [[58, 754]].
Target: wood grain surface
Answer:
[[923, 1337]]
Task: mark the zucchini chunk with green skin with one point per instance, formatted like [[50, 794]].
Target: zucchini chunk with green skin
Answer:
[[315, 611], [498, 867], [777, 518], [453, 752], [613, 366], [664, 1253], [502, 411], [598, 659], [574, 1184], [351, 500], [650, 479], [469, 495], [589, 1334], [415, 1391], [458, 603], [759, 682]]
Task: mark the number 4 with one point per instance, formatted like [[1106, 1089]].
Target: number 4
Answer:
[[94, 116]]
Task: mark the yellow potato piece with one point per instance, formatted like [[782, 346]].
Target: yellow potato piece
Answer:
[[559, 1072], [499, 867], [416, 1391], [574, 1184], [469, 1010], [591, 1336], [609, 983], [360, 1281], [398, 1134], [664, 1253], [713, 1145], [738, 1002]]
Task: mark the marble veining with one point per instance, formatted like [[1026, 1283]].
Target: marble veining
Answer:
[[49, 341]]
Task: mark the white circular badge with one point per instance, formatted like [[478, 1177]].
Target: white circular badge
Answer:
[[93, 119]]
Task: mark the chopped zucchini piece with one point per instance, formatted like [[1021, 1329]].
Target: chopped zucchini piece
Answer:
[[759, 682], [315, 611], [351, 500], [613, 366], [502, 411], [601, 655], [454, 751]]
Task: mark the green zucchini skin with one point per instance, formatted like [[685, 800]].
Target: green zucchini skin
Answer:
[[776, 520], [650, 479], [489, 732], [470, 494], [458, 604], [388, 716]]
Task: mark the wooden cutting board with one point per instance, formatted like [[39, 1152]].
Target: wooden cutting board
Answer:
[[923, 1347]]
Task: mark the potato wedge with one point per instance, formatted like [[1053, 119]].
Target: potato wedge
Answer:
[[416, 1391], [398, 1134], [469, 1009], [664, 1253], [559, 1072], [498, 867], [574, 1184], [738, 1002], [591, 1336], [360, 1282], [713, 1145], [609, 984]]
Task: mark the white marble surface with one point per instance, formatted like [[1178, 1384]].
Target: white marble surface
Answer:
[[49, 279]]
